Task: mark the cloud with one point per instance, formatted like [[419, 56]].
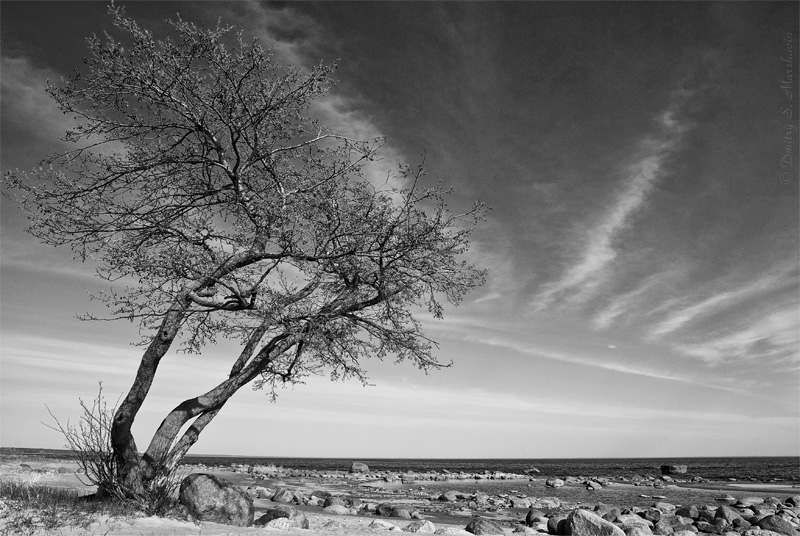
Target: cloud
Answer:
[[577, 359], [599, 251], [775, 337], [625, 302], [774, 280]]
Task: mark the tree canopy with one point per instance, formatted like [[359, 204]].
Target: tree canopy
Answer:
[[202, 184]]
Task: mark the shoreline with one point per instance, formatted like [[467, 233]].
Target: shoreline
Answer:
[[504, 498]]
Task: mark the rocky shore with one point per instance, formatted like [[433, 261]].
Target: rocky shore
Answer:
[[245, 499]]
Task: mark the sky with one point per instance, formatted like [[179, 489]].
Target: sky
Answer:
[[641, 164]]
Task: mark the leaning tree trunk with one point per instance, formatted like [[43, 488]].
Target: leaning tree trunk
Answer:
[[164, 454], [122, 441]]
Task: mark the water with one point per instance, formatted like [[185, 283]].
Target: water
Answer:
[[762, 469]]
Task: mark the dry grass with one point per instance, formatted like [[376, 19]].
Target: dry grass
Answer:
[[27, 507]]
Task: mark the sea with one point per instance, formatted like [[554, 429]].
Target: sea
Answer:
[[765, 469], [762, 469]]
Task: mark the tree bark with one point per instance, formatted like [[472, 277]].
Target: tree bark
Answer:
[[160, 454], [122, 441]]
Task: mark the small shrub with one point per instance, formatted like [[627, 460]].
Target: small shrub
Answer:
[[90, 441]]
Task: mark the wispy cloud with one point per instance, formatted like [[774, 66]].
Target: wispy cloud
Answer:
[[783, 276], [775, 336], [582, 278], [593, 362], [625, 302]]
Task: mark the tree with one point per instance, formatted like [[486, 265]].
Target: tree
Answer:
[[202, 184]]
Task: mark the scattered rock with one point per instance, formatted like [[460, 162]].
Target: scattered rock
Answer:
[[333, 500], [296, 517], [558, 524], [450, 496], [283, 495], [337, 509], [210, 498], [421, 526], [585, 523], [777, 524], [481, 525]]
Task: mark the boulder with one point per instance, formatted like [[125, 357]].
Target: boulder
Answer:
[[673, 469], [336, 509], [210, 498], [400, 512], [531, 517], [358, 467], [384, 509], [332, 500], [727, 514], [283, 495], [688, 511], [777, 524], [520, 502], [381, 524], [554, 483], [280, 523], [421, 526], [794, 500], [450, 496], [633, 520], [558, 525], [295, 517], [481, 525], [585, 523]]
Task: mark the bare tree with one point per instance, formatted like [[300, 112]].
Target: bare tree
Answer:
[[203, 183]]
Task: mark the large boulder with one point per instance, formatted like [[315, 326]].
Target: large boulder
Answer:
[[554, 483], [481, 525], [777, 524], [210, 498], [358, 467], [585, 523], [295, 517]]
